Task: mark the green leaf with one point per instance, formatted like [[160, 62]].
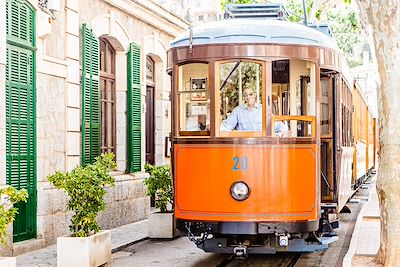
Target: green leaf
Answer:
[[159, 185], [85, 188], [9, 195]]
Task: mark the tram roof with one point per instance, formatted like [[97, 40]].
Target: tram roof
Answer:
[[236, 31]]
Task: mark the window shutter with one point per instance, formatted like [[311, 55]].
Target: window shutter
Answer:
[[90, 96], [134, 110], [21, 113]]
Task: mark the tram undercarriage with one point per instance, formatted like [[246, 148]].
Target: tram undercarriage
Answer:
[[243, 238]]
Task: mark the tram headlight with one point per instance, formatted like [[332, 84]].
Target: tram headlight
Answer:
[[240, 191]]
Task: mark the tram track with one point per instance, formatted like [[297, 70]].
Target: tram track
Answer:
[[280, 259], [226, 261], [292, 262]]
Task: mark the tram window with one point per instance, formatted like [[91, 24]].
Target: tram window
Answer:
[[194, 99], [296, 99], [240, 96], [324, 83], [280, 98]]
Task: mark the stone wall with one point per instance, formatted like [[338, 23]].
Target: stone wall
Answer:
[[127, 202]]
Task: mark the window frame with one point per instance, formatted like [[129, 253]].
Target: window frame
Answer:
[[194, 134], [217, 102], [108, 126]]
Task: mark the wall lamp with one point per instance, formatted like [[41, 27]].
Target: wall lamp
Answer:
[[49, 7]]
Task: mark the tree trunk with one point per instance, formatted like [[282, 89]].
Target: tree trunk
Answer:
[[383, 18]]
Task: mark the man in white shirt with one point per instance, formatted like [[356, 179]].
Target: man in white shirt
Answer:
[[248, 117]]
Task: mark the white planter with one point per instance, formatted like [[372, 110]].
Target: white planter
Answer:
[[8, 262], [88, 251], [162, 225]]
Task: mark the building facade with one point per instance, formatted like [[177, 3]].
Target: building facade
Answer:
[[194, 11], [80, 78]]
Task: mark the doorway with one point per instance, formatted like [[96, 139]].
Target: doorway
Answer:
[[150, 122], [150, 129]]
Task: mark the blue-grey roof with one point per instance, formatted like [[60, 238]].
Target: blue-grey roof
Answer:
[[257, 11], [236, 31]]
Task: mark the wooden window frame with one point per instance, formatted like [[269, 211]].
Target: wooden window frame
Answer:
[[330, 105], [216, 93], [178, 93], [107, 99]]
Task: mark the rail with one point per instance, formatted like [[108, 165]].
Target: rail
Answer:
[[308, 119]]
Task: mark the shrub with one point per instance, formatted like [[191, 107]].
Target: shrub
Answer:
[[85, 188], [159, 185], [9, 196]]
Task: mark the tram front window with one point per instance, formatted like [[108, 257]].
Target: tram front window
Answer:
[[240, 95], [194, 99]]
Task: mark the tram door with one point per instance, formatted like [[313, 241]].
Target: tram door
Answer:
[[327, 138]]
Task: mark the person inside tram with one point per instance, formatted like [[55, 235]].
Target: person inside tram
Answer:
[[248, 116], [245, 117]]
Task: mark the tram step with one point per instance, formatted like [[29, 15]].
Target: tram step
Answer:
[[328, 205], [326, 240]]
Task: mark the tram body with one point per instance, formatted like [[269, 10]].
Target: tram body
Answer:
[[252, 191]]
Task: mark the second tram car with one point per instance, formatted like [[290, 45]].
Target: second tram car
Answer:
[[252, 190]]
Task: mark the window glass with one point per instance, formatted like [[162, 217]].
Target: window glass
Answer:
[[194, 99], [324, 83], [293, 98], [108, 97], [240, 85]]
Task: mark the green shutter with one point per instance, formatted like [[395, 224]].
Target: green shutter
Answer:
[[21, 112], [134, 110], [90, 96]]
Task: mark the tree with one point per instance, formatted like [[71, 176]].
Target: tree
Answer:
[[382, 17], [343, 22], [224, 3], [341, 19], [381, 20]]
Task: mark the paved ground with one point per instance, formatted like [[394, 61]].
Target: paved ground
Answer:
[[365, 240], [120, 237]]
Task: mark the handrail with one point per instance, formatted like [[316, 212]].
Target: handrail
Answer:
[[310, 119]]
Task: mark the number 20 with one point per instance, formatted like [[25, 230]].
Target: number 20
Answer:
[[240, 163]]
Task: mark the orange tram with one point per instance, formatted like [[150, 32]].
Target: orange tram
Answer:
[[254, 191]]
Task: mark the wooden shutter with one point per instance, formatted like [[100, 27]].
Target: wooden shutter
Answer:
[[90, 96], [21, 112], [134, 110]]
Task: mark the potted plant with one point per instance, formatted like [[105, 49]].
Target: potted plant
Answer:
[[159, 185], [9, 196], [87, 245]]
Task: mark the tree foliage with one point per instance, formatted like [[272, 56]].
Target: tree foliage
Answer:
[[296, 11], [85, 188], [224, 3], [345, 27], [9, 196], [342, 21]]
